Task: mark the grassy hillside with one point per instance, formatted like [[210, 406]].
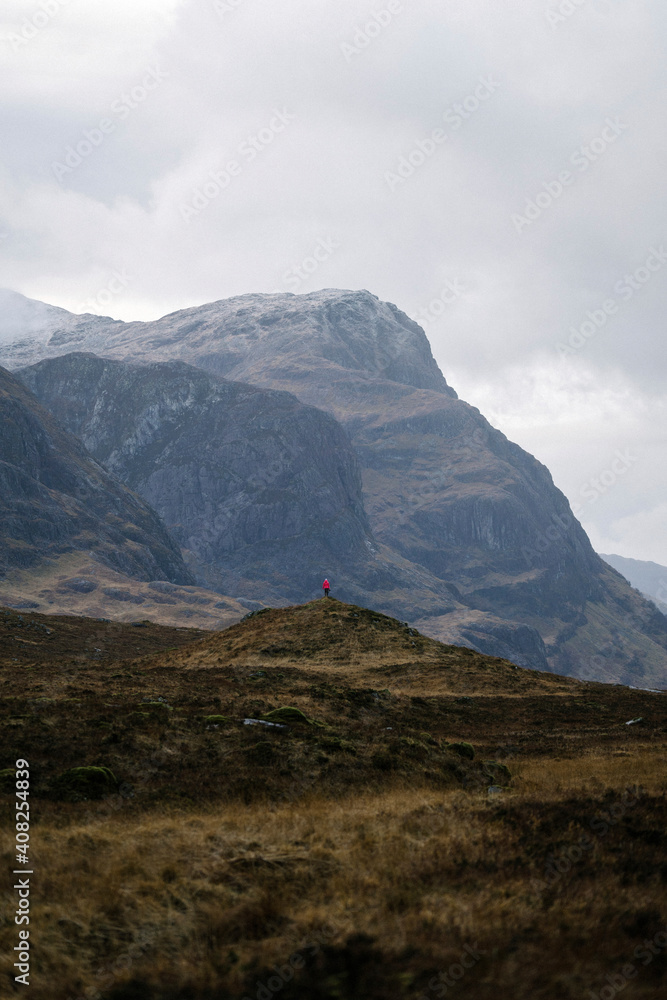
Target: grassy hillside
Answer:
[[418, 821]]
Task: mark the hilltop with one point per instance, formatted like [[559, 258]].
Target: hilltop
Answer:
[[348, 687]]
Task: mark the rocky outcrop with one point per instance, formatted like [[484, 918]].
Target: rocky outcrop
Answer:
[[488, 634], [55, 498], [263, 492], [447, 495]]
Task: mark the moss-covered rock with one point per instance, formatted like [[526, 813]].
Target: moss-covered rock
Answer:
[[81, 783], [291, 717], [462, 749], [217, 720], [498, 774], [412, 748]]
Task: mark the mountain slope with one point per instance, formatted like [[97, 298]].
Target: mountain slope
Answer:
[[54, 498], [263, 492], [443, 489], [648, 577]]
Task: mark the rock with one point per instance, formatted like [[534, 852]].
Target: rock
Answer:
[[252, 483], [55, 498], [498, 774], [290, 716], [462, 749]]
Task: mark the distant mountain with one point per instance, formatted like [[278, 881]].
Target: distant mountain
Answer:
[[443, 491], [648, 577], [54, 498]]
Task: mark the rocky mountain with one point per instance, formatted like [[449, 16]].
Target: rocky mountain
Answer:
[[263, 492], [444, 491], [54, 498], [647, 577]]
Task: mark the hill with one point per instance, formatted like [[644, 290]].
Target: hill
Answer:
[[320, 802], [345, 673]]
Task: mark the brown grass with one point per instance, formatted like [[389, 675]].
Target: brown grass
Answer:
[[372, 865], [210, 899]]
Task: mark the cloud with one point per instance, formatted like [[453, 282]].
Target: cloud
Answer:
[[225, 74]]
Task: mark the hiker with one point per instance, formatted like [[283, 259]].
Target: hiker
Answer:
[[325, 588]]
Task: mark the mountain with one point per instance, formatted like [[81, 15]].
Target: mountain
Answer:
[[32, 327], [443, 490], [54, 499], [263, 492], [648, 577]]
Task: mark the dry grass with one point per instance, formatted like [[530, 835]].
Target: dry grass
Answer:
[[209, 900], [46, 589], [364, 858]]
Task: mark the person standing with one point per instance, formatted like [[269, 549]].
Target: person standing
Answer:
[[326, 588]]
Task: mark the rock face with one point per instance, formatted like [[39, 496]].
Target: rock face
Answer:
[[445, 493], [262, 491], [55, 498]]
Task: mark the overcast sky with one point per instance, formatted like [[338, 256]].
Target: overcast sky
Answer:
[[494, 167]]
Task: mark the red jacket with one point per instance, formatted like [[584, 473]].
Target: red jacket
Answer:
[[325, 585]]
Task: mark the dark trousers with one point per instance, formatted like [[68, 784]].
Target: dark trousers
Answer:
[[326, 591]]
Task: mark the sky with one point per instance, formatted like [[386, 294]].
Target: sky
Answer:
[[494, 167]]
